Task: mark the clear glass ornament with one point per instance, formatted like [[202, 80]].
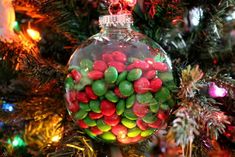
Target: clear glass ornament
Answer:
[[118, 88]]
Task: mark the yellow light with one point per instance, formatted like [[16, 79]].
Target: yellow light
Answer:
[[56, 138], [35, 35]]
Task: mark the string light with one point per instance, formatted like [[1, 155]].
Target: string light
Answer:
[[7, 107], [35, 35], [216, 92], [16, 26], [17, 142], [56, 138], [44, 132]]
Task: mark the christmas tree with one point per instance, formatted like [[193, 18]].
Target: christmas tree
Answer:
[[37, 38]]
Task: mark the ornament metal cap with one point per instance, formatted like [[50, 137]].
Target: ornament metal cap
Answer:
[[115, 20]]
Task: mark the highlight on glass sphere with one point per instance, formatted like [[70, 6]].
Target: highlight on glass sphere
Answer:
[[118, 88]]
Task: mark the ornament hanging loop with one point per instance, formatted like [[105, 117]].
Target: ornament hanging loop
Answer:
[[115, 8]]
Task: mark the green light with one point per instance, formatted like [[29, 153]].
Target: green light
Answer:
[[18, 142], [16, 26]]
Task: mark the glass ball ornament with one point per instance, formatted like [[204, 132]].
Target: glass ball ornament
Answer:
[[118, 87]]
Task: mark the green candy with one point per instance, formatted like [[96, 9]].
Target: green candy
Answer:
[[83, 82], [121, 77], [149, 118], [111, 75], [108, 136], [91, 134], [162, 95], [129, 114], [111, 96], [99, 87], [144, 98], [120, 107], [69, 84], [102, 126], [126, 88], [130, 101], [89, 121], [147, 133], [132, 59], [101, 98], [134, 74], [154, 106], [166, 76], [84, 107], [128, 123], [133, 132], [83, 72], [164, 106], [74, 67], [171, 86], [79, 87], [86, 64], [171, 102], [81, 114], [95, 106]]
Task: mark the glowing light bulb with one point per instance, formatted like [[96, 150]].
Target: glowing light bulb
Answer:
[[18, 142], [56, 138], [216, 92], [7, 107], [35, 35]]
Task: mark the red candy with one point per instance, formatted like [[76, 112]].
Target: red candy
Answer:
[[129, 140], [73, 107], [157, 124], [136, 139], [160, 66], [118, 93], [82, 124], [141, 64], [90, 93], [130, 67], [162, 115], [76, 75], [150, 74], [140, 110], [94, 115], [82, 97], [107, 108], [71, 96], [118, 65], [95, 75], [142, 85], [107, 57], [141, 124], [150, 61], [95, 130], [119, 56], [112, 120], [126, 140], [155, 84], [119, 130], [100, 65]]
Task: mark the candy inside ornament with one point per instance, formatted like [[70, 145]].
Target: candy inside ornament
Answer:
[[118, 88]]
